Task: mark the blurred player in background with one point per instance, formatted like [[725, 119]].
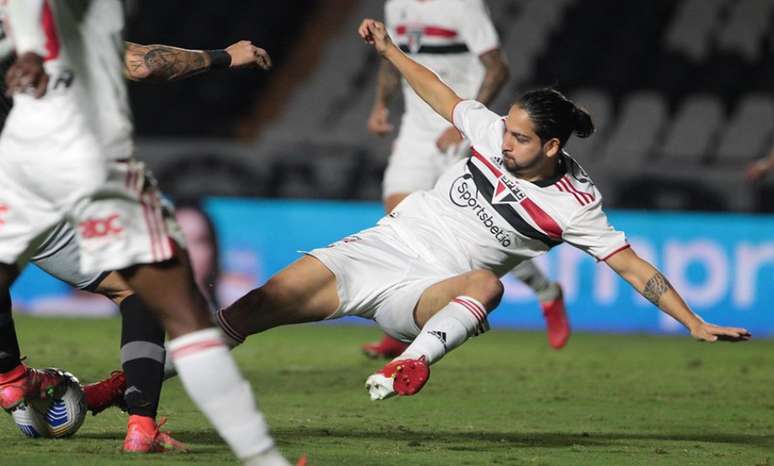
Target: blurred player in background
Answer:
[[760, 168], [457, 40], [65, 154]]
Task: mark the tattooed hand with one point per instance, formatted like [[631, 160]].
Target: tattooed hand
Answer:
[[244, 55]]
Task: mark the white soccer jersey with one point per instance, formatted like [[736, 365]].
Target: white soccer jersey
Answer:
[[446, 36], [478, 216], [83, 50]]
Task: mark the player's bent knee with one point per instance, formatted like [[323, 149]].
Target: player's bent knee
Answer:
[[487, 288]]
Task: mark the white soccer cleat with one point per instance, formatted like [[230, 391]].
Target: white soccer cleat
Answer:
[[380, 387]]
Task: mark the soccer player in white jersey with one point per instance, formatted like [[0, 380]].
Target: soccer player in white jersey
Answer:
[[429, 271], [65, 153], [457, 40]]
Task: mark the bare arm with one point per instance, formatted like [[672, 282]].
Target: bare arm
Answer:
[[651, 284], [496, 74], [424, 82], [760, 168], [167, 63], [387, 84]]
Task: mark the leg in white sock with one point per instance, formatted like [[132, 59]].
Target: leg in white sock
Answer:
[[533, 277], [214, 383], [450, 327]]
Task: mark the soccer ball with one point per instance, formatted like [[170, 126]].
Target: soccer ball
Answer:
[[58, 416]]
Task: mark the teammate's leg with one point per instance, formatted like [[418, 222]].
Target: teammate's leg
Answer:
[[17, 381], [551, 302], [448, 313], [204, 364]]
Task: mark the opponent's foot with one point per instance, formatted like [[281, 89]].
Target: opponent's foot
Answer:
[[557, 324], [403, 377], [386, 348], [143, 436], [106, 393], [25, 383]]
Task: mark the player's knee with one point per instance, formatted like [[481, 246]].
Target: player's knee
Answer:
[[486, 287]]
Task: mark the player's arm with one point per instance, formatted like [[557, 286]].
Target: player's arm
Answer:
[[425, 83], [167, 63], [760, 168], [387, 85], [496, 74], [654, 286]]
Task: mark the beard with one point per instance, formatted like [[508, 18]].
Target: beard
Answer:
[[516, 168]]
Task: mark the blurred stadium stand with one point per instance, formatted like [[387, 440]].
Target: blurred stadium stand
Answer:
[[681, 92]]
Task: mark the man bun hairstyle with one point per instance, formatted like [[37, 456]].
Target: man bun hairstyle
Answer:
[[555, 116]]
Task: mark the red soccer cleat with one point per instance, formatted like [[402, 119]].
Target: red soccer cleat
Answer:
[[143, 436], [386, 348], [25, 383], [106, 393], [403, 377], [557, 324]]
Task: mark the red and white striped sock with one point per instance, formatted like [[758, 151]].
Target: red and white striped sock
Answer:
[[214, 383], [450, 327]]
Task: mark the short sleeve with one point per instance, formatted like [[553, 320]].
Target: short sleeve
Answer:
[[477, 28], [474, 120], [591, 232]]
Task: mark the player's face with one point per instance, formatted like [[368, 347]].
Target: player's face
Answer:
[[522, 149]]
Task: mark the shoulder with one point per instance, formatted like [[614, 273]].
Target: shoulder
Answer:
[[577, 185]]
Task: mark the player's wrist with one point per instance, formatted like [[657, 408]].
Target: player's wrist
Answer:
[[219, 59]]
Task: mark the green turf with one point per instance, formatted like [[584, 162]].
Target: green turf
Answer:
[[504, 398]]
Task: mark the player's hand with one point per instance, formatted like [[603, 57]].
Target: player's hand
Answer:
[[758, 169], [449, 138], [709, 332], [27, 75], [375, 33], [379, 122], [246, 55]]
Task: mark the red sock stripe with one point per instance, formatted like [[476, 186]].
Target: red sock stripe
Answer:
[[477, 311], [226, 327], [196, 347]]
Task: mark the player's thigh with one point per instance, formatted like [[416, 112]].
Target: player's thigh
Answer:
[[412, 166], [303, 291], [59, 255]]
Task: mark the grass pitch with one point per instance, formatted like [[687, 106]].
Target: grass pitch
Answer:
[[502, 399]]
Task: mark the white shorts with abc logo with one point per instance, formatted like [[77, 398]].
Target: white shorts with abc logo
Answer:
[[77, 220]]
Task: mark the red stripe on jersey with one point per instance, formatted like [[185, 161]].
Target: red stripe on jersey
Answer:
[[49, 29], [588, 197], [486, 162], [622, 248], [194, 348], [542, 219], [563, 183], [432, 31]]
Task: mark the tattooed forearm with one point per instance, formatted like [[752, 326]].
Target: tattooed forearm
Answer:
[[388, 83], [495, 77], [163, 63], [656, 287]]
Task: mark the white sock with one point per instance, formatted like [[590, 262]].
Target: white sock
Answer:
[[450, 327], [212, 380], [230, 337], [531, 275]]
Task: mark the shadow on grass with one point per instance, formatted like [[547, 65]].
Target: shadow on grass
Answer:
[[458, 440]]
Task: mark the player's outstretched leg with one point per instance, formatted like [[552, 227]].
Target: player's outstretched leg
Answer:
[[551, 302], [387, 347], [448, 313], [206, 369]]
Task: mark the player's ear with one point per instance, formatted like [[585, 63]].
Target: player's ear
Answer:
[[551, 147]]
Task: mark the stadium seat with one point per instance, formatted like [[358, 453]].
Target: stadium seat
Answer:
[[749, 132], [744, 32], [692, 130], [599, 105], [639, 123], [689, 31]]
